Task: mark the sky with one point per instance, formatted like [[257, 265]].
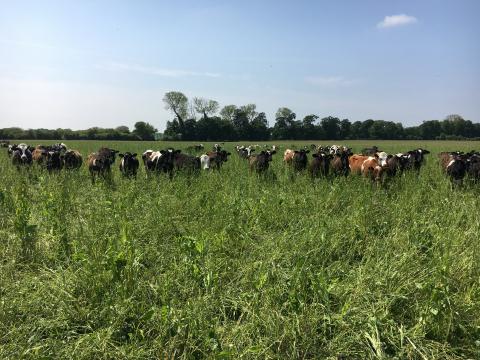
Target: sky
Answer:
[[79, 64]]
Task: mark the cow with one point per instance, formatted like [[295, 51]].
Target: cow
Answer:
[[368, 166], [245, 152], [288, 156], [394, 164], [261, 162], [4, 143], [370, 151], [59, 147], [195, 148], [454, 165], [129, 164], [39, 155], [217, 158], [99, 163], [339, 163], [205, 162], [72, 159], [473, 167], [320, 164], [160, 161], [372, 169], [10, 149], [186, 162], [382, 158], [21, 155], [54, 160], [300, 159], [415, 159]]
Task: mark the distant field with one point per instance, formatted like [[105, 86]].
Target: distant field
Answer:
[[231, 265]]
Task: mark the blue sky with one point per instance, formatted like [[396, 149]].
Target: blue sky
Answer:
[[78, 64]]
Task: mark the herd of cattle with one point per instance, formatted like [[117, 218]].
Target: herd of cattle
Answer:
[[372, 163]]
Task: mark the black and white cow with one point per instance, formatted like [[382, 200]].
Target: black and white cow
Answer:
[[21, 154]]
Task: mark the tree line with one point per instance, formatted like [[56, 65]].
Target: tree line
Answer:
[[203, 120]]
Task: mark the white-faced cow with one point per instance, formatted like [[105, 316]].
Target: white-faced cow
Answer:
[[21, 155]]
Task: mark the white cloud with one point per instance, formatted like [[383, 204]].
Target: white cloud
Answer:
[[396, 20], [328, 81], [156, 71]]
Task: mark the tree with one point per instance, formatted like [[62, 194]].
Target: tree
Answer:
[[228, 112], [178, 103], [250, 111], [259, 128], [123, 129], [331, 127], [144, 130], [309, 132], [205, 107], [285, 124], [240, 124], [345, 129]]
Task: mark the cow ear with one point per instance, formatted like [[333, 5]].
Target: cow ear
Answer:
[[273, 152], [307, 151], [229, 153], [314, 155], [134, 154], [121, 155], [116, 151], [178, 151]]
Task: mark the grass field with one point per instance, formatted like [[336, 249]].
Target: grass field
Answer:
[[232, 265]]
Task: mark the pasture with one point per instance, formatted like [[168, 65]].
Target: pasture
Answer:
[[230, 264]]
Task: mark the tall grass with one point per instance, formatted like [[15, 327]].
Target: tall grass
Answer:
[[232, 265]]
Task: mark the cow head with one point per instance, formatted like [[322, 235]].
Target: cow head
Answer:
[[128, 158]]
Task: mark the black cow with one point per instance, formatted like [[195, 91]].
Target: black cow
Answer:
[[129, 164], [54, 160], [473, 167], [186, 162], [72, 159], [261, 162], [300, 159], [320, 164]]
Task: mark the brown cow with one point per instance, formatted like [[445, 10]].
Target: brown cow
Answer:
[[368, 166], [288, 156], [261, 162], [39, 155]]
